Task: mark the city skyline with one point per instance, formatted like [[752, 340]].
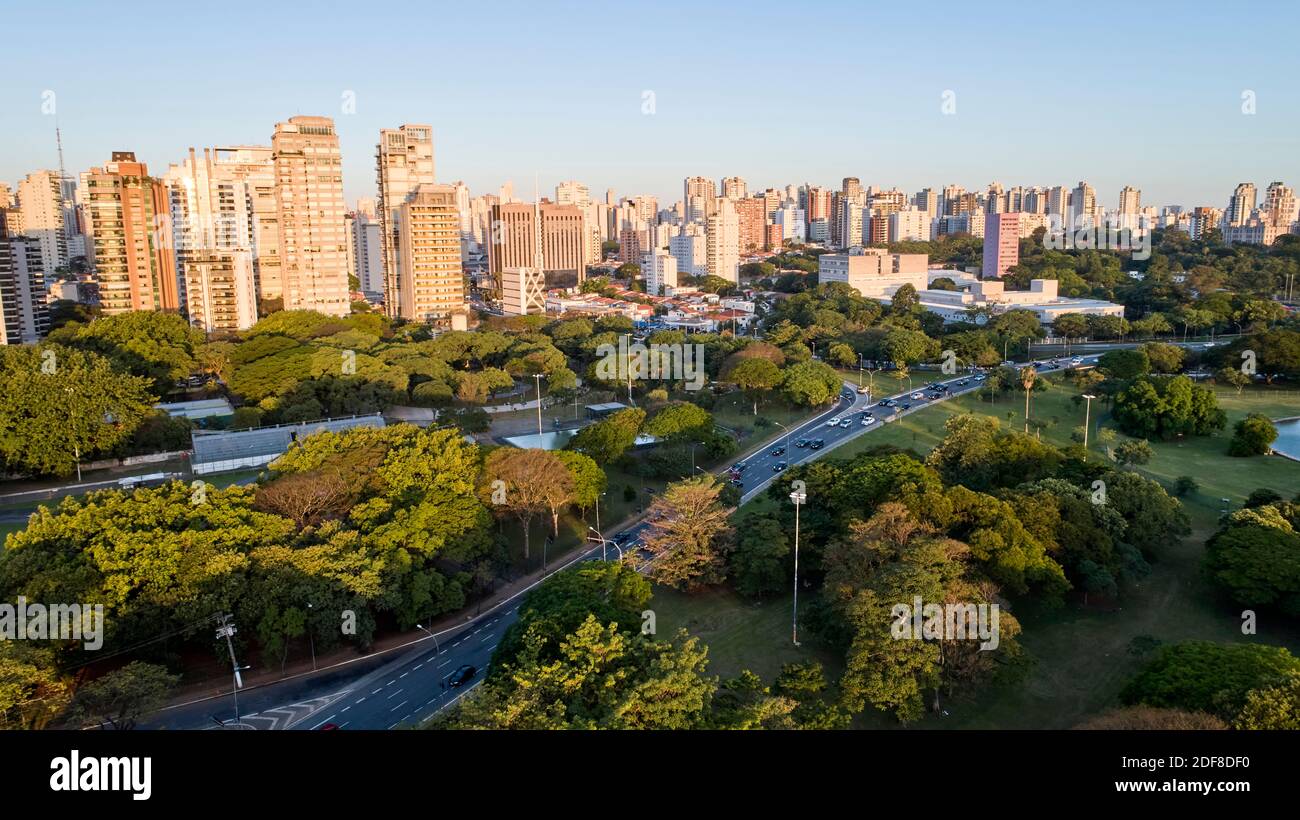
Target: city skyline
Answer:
[[1125, 116]]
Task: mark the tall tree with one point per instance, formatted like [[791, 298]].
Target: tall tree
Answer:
[[531, 481], [688, 532]]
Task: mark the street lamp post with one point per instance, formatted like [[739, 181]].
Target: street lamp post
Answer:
[[538, 377], [1087, 414], [787, 433], [437, 650], [310, 638], [604, 556], [798, 498]]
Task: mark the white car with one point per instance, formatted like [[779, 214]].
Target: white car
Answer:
[[918, 396], [868, 421], [833, 422], [981, 377]]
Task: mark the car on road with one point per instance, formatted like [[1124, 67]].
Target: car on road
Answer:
[[779, 466], [862, 391], [981, 377], [817, 443], [1209, 344], [803, 442], [905, 406], [917, 395], [833, 422], [868, 421], [739, 467], [737, 482], [1077, 360], [461, 676], [328, 727], [779, 451]]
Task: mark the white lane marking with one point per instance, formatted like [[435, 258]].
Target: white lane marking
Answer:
[[418, 668], [492, 647], [362, 700], [444, 663], [486, 638], [377, 691], [404, 674], [323, 722], [395, 694], [399, 706], [345, 708]]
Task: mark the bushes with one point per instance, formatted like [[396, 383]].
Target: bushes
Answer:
[[1252, 436]]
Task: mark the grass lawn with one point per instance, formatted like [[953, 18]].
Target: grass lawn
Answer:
[[740, 633], [1082, 656]]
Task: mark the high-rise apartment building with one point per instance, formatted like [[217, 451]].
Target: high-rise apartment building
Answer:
[[909, 225], [703, 188], [1083, 204], [733, 188], [752, 216], [131, 240], [40, 198], [24, 316], [572, 193], [309, 199], [366, 252], [1280, 205], [1241, 205], [1130, 200], [1001, 244], [432, 285], [403, 162], [659, 269], [220, 295], [690, 249], [253, 166], [723, 242], [561, 238]]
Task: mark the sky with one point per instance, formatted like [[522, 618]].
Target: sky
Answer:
[[637, 96]]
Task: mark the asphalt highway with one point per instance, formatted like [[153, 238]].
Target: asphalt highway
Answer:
[[418, 683]]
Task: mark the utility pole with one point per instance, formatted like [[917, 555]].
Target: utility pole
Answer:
[[226, 630], [798, 498]]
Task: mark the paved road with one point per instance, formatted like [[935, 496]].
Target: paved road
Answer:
[[410, 688]]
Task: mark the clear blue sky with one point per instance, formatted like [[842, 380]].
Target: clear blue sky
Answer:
[[1137, 93]]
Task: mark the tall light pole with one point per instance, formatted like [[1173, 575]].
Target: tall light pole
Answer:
[[310, 638], [538, 377], [437, 650], [787, 433], [798, 498], [1087, 413], [604, 556], [628, 365]]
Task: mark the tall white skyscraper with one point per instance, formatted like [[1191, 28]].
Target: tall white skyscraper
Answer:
[[404, 161], [723, 242], [40, 198]]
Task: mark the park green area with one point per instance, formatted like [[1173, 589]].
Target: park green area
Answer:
[[1083, 656]]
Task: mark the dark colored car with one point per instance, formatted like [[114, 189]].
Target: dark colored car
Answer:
[[817, 443], [739, 467], [461, 676], [737, 482], [779, 451], [803, 442], [779, 466], [905, 406]]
